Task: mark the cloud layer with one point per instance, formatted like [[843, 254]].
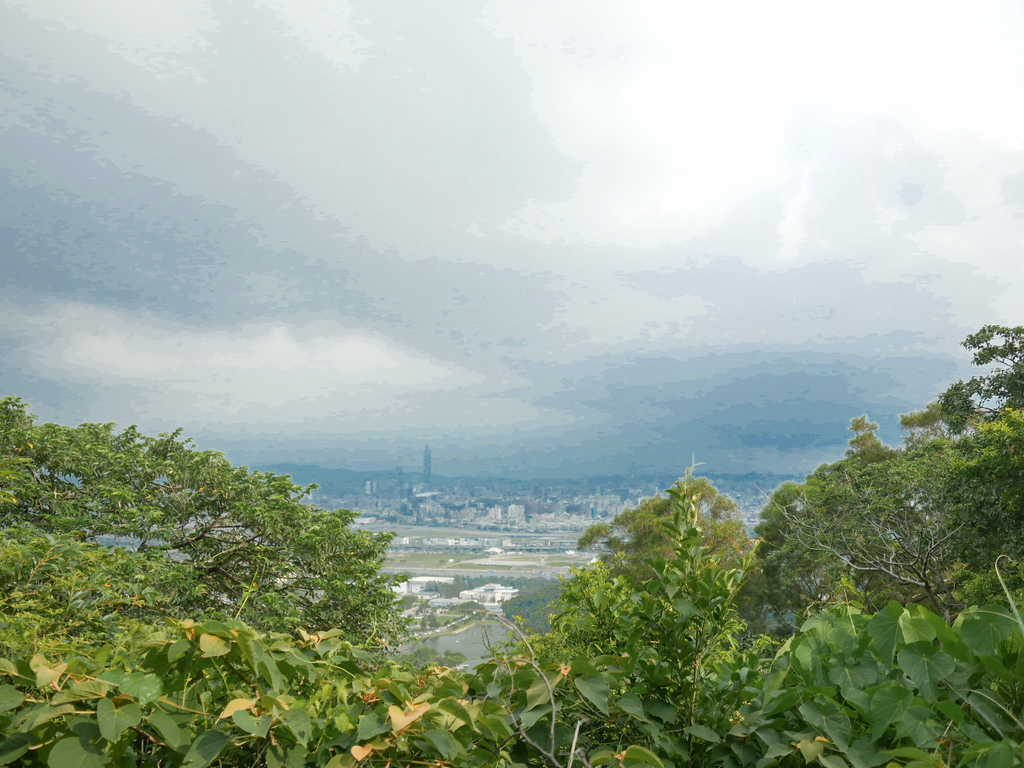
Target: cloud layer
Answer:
[[547, 239]]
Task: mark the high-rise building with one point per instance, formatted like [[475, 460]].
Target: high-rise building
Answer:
[[426, 466]]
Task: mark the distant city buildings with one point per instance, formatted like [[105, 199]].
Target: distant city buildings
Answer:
[[498, 506]]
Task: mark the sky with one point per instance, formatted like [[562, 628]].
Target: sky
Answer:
[[547, 239]]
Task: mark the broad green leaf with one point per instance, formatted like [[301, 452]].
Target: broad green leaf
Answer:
[[922, 727], [213, 645], [888, 704], [9, 698], [998, 755], [250, 724], [45, 674], [72, 753], [215, 627], [984, 629], [912, 753], [916, 629], [371, 725], [113, 720], [252, 651], [530, 717], [639, 756], [832, 761], [595, 688], [298, 722], [270, 672], [780, 700], [169, 731], [950, 709], [812, 714], [630, 704], [927, 668], [839, 728], [863, 754], [685, 608], [82, 691], [811, 750], [703, 733], [852, 676], [581, 666], [538, 692], [808, 651], [884, 629], [15, 746], [205, 749], [279, 756], [35, 716], [664, 712], [145, 688], [443, 742]]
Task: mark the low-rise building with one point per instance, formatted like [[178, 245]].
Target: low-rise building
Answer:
[[489, 594]]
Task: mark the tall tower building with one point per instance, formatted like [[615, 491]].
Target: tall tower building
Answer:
[[426, 466]]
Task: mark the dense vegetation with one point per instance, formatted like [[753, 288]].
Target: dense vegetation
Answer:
[[161, 607]]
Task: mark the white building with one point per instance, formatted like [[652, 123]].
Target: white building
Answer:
[[489, 594]]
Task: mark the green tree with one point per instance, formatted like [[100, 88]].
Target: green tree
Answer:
[[792, 578], [533, 604], [985, 484], [230, 541], [986, 396], [880, 517], [865, 445], [638, 535]]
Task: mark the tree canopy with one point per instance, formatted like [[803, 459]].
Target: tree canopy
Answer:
[[215, 539], [638, 535]]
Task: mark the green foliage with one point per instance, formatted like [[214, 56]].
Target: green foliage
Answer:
[[221, 539], [986, 505], [865, 445], [56, 591], [534, 604], [638, 535], [633, 674], [901, 687], [630, 670], [222, 693], [425, 657], [881, 518], [1001, 389]]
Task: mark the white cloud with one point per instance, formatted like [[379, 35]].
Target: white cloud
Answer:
[[225, 375], [144, 32], [680, 110], [324, 28]]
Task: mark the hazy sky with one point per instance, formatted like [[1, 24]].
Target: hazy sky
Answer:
[[549, 238]]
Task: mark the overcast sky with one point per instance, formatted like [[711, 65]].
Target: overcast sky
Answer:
[[548, 238]]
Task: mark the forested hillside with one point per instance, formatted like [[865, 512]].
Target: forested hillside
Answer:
[[159, 606]]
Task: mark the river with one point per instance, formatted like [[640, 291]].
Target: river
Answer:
[[475, 641]]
